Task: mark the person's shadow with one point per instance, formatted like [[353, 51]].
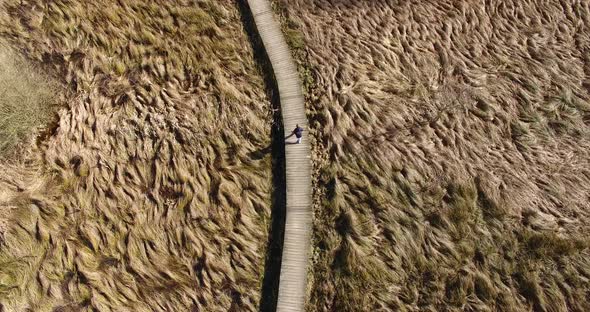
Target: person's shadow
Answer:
[[259, 154], [290, 135]]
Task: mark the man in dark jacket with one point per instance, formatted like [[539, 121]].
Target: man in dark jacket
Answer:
[[298, 132]]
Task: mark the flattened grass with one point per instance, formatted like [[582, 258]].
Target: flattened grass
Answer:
[[154, 202], [466, 153]]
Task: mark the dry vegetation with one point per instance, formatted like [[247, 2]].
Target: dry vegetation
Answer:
[[146, 195], [452, 157], [27, 100]]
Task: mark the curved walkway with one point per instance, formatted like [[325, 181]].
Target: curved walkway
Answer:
[[296, 247]]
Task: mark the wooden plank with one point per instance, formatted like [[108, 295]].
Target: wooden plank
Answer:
[[296, 246]]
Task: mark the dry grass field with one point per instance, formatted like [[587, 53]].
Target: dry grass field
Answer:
[[149, 193], [452, 153], [28, 101]]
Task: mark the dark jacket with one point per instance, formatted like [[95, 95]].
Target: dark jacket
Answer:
[[298, 132]]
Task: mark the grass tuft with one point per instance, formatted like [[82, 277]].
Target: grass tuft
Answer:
[[28, 100]]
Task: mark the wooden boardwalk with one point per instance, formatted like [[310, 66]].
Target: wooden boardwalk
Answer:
[[296, 245]]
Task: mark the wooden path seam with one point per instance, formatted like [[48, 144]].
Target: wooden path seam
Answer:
[[296, 246]]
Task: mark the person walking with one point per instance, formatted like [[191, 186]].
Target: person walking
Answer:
[[298, 132]]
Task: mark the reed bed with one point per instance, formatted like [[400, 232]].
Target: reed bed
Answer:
[[149, 193], [451, 157]]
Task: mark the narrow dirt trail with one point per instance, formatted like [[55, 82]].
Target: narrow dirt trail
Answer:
[[292, 287]]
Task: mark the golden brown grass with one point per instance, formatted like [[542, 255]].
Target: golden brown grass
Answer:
[[145, 197], [28, 101], [451, 153]]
